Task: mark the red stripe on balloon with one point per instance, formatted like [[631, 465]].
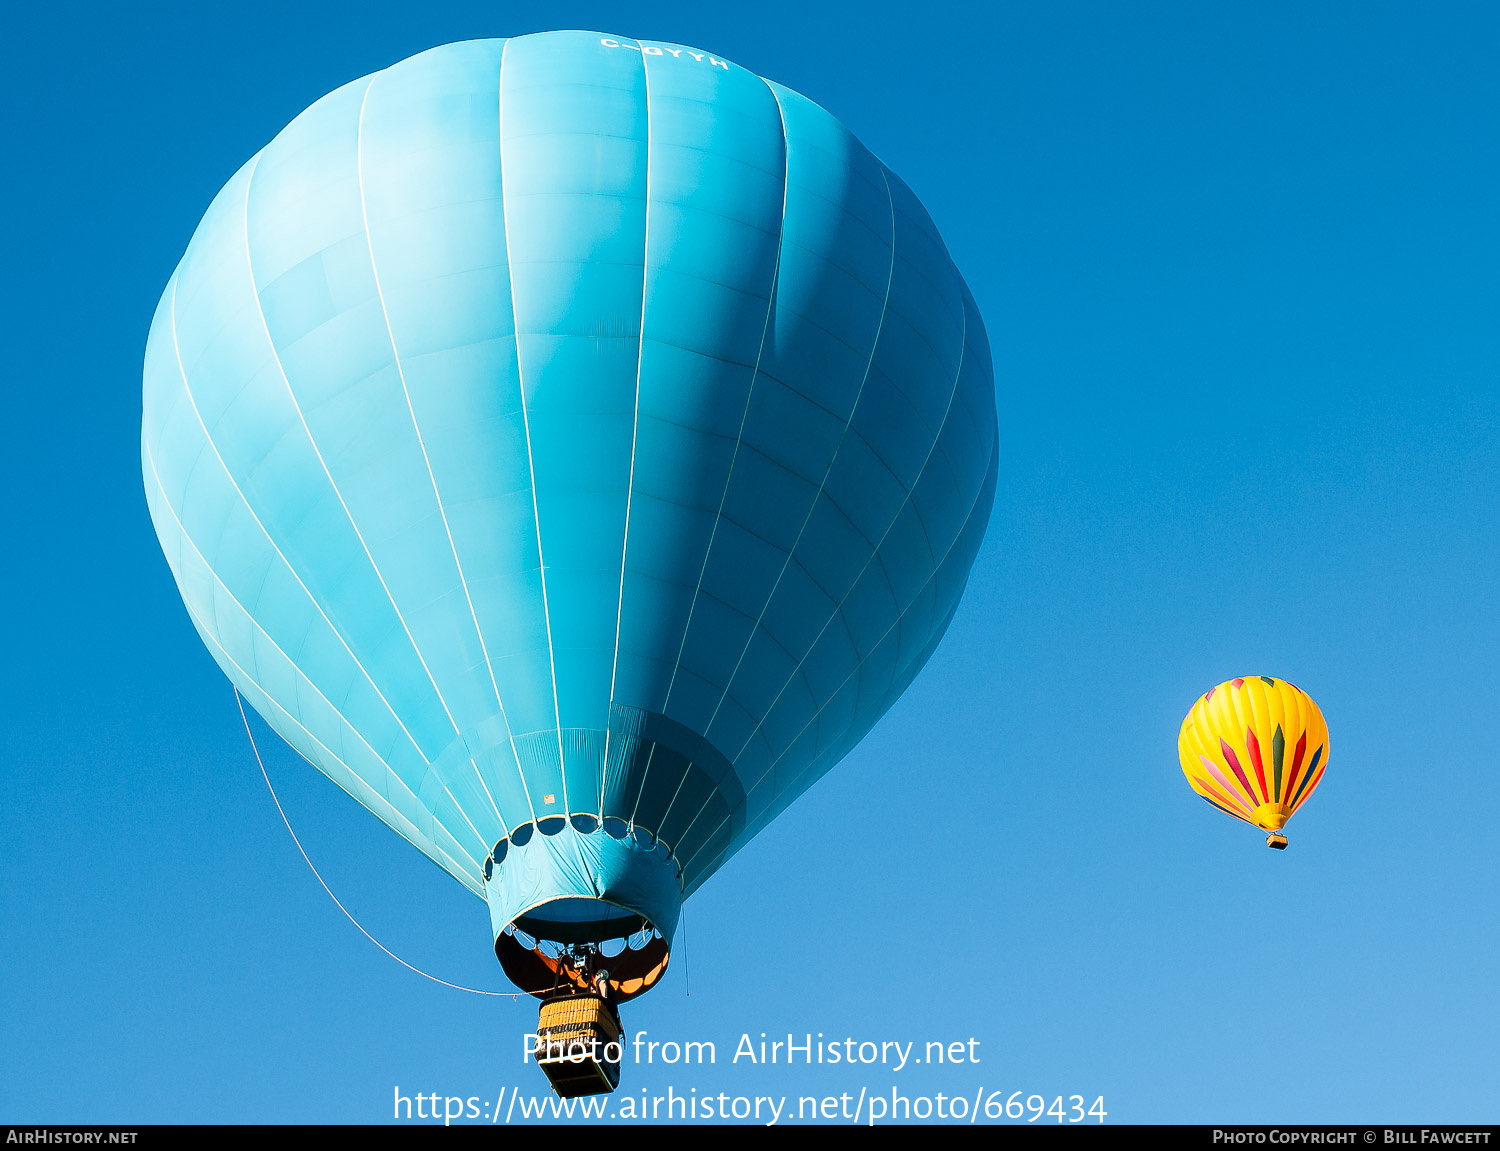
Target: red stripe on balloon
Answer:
[[1314, 777], [1260, 772], [1296, 767], [1234, 766]]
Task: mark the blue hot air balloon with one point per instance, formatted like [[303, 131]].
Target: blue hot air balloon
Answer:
[[571, 445]]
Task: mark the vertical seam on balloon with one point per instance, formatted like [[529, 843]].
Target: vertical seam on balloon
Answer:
[[635, 428], [1252, 746], [422, 841], [250, 678], [1209, 774], [1316, 781], [276, 356], [833, 459], [889, 698], [688, 887], [1312, 769], [476, 888], [1248, 721], [1239, 773], [688, 865], [687, 770], [1217, 797], [1297, 754], [436, 846], [208, 436], [1273, 708], [645, 775], [683, 838], [1278, 754], [875, 557], [484, 844], [739, 438], [1297, 725], [993, 449], [1199, 737], [187, 538], [1223, 782], [694, 822], [364, 215], [771, 809], [239, 702], [875, 553], [536, 513]]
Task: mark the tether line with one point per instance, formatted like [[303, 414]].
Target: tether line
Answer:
[[240, 703]]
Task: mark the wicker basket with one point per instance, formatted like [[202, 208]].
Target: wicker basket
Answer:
[[574, 1032]]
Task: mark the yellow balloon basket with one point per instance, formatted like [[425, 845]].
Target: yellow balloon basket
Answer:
[[579, 1045]]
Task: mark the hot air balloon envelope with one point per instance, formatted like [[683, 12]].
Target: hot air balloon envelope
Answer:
[[571, 445], [1256, 748]]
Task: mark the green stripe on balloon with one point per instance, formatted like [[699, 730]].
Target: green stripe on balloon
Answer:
[[1278, 752]]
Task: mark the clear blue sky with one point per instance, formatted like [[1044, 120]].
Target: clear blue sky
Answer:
[[1239, 266]]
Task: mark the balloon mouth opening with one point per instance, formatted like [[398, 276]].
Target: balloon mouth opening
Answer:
[[576, 919], [1271, 816], [547, 950]]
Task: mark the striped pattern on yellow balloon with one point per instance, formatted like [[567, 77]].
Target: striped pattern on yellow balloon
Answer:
[[1255, 747]]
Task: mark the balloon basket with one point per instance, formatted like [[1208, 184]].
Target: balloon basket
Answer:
[[576, 1034], [1276, 840]]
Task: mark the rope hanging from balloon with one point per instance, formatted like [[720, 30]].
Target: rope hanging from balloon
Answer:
[[240, 703]]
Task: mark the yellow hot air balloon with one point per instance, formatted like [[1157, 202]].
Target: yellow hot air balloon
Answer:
[[1255, 747]]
